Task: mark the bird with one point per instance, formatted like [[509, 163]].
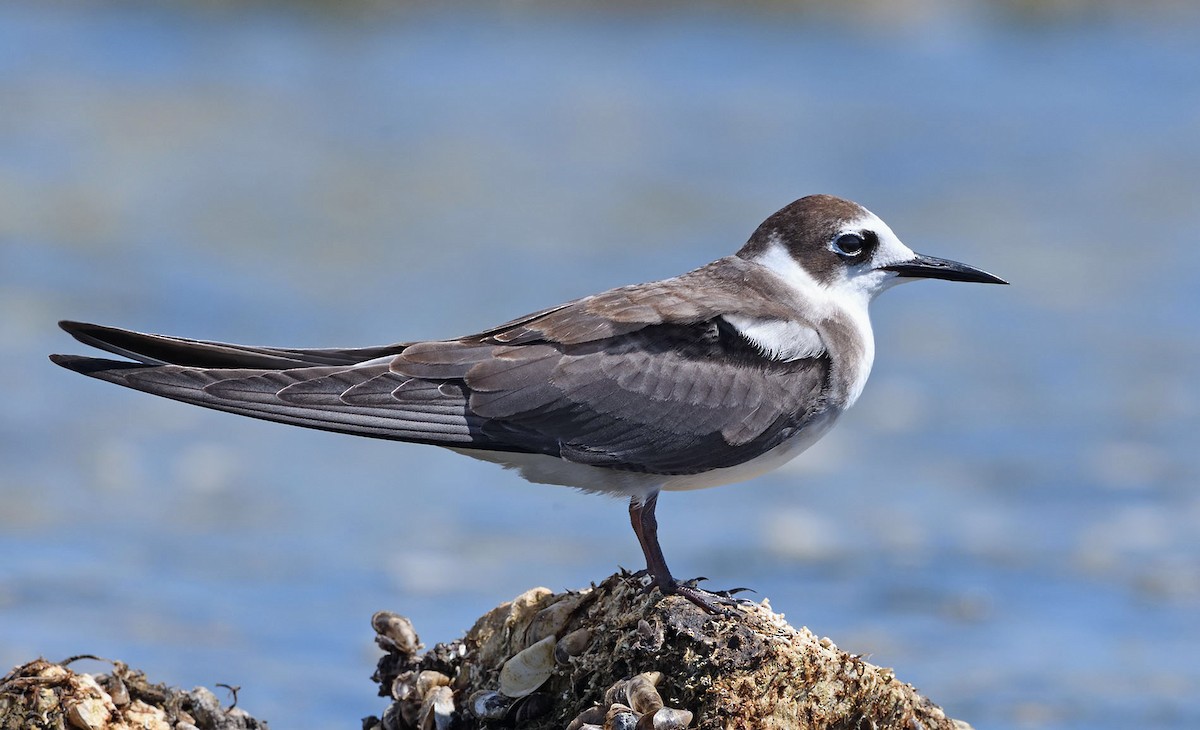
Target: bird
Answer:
[[708, 378]]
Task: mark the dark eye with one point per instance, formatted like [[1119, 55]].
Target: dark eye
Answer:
[[849, 244]]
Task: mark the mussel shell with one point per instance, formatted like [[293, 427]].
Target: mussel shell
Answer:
[[428, 679], [437, 709], [669, 718], [528, 669], [489, 705], [573, 644], [642, 695], [590, 718], [620, 717], [530, 707]]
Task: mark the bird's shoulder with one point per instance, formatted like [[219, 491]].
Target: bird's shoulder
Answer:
[[729, 287]]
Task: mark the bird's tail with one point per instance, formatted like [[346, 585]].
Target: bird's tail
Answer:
[[345, 390]]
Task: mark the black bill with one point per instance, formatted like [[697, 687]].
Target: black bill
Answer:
[[930, 267]]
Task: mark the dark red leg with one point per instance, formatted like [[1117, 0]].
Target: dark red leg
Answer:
[[645, 525]]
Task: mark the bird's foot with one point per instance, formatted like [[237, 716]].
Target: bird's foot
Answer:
[[716, 603], [727, 593]]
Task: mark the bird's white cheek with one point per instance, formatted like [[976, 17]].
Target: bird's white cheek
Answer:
[[891, 279], [860, 288]]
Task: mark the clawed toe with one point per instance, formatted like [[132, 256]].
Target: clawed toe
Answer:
[[717, 603], [727, 593]]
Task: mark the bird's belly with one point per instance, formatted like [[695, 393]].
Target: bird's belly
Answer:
[[543, 469], [759, 465]]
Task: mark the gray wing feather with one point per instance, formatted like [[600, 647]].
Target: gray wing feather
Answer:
[[163, 350], [427, 415]]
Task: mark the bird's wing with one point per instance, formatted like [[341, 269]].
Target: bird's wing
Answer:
[[667, 399], [647, 378]]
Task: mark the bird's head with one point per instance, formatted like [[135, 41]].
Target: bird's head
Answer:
[[846, 249]]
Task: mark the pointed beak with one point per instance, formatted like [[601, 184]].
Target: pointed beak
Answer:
[[930, 267]]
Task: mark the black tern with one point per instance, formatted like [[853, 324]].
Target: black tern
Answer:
[[708, 378]]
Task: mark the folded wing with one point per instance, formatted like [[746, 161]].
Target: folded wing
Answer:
[[649, 378]]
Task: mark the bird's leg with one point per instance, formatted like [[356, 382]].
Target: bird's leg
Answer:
[[645, 526]]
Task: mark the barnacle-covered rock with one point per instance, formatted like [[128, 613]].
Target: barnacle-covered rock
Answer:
[[617, 656], [53, 695]]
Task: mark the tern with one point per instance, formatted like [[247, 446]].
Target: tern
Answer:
[[707, 378]]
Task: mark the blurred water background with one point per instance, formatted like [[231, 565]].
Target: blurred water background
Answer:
[[1010, 516]]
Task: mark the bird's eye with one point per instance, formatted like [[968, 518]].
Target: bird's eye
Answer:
[[849, 244]]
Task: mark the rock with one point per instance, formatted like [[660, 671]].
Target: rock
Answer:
[[611, 656], [59, 697], [683, 667]]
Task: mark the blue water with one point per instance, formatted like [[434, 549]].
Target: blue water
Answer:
[[1009, 516]]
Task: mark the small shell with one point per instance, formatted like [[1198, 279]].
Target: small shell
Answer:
[[620, 717], [643, 697], [88, 714], [552, 619], [530, 707], [615, 695], [437, 709], [404, 686], [528, 669], [489, 705], [573, 644], [668, 718], [590, 718], [650, 637], [395, 632], [117, 690], [393, 719], [429, 679], [408, 702]]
